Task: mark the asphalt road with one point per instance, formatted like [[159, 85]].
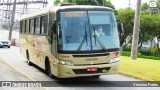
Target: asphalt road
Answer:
[[7, 73], [20, 71]]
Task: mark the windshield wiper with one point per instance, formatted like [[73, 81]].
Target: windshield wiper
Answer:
[[83, 40], [99, 41]]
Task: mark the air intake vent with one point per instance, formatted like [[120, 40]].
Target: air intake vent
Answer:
[[92, 55]]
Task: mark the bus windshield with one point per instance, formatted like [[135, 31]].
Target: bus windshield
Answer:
[[87, 31]]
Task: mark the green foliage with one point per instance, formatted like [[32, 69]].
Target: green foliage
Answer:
[[84, 2], [56, 2], [87, 2], [145, 51], [125, 53], [109, 4], [144, 7], [154, 51], [158, 3], [127, 48], [149, 27], [127, 17]]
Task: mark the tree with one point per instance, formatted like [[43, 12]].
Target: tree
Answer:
[[146, 28], [144, 7], [87, 2], [84, 2], [127, 17], [56, 2], [109, 4]]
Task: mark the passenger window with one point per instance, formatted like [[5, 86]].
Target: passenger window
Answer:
[[26, 26], [32, 26], [23, 27], [44, 24], [37, 26]]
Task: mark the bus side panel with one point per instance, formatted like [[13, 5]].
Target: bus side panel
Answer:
[[54, 66], [38, 49]]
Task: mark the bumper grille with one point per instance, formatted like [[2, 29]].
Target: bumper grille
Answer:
[[5, 42], [84, 71]]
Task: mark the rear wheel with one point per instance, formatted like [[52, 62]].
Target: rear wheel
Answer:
[[28, 60]]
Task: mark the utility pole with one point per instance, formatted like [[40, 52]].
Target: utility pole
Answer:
[[12, 20], [135, 37], [129, 4]]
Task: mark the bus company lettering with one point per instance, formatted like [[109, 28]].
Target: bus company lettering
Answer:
[[69, 14], [91, 59]]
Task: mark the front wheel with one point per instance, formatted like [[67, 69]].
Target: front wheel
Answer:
[[48, 70]]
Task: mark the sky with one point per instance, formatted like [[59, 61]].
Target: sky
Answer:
[[125, 3], [117, 3]]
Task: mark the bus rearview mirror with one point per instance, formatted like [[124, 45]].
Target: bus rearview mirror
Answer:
[[53, 28], [120, 26]]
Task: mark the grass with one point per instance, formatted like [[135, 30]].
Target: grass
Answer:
[[125, 53], [144, 69]]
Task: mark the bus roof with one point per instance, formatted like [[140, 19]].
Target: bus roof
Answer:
[[58, 8]]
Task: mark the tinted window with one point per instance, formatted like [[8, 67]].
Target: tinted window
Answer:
[[37, 26], [23, 27], [27, 26], [32, 26], [44, 22]]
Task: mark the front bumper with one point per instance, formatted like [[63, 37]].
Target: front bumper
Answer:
[[1, 45], [65, 71]]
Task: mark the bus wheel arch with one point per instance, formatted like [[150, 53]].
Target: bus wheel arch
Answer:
[[28, 58]]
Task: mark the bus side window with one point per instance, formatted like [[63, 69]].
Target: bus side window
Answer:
[[23, 27], [37, 25], [31, 24], [44, 24], [27, 26]]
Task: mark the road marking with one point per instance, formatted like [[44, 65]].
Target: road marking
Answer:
[[20, 71]]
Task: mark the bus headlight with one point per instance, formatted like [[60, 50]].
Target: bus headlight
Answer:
[[66, 62], [113, 60]]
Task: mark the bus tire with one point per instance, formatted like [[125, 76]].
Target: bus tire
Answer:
[[28, 60], [97, 76], [48, 68]]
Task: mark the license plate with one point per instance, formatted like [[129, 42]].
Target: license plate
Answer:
[[91, 69]]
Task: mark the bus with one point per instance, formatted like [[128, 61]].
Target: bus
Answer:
[[71, 41]]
